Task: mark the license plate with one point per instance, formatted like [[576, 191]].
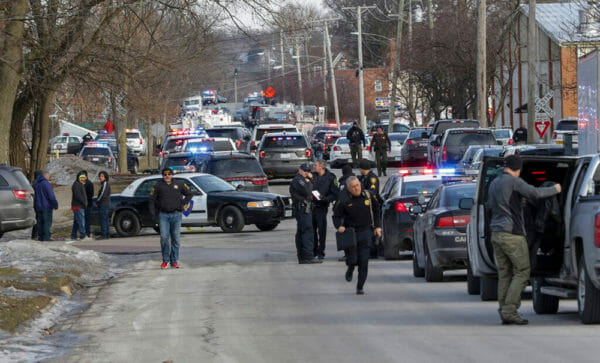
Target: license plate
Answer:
[[346, 152], [287, 213], [59, 147], [95, 159], [461, 239], [285, 156], [423, 144]]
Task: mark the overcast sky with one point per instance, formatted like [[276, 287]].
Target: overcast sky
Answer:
[[248, 20]]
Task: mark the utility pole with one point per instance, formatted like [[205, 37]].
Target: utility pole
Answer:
[[283, 83], [361, 78], [482, 63], [430, 13], [298, 45], [324, 71], [332, 70], [396, 68], [531, 46]]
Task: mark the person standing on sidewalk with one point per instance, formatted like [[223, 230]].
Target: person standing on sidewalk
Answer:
[[357, 209], [507, 225], [78, 206], [167, 199], [89, 192], [356, 139], [326, 184], [45, 202], [381, 145], [103, 202]]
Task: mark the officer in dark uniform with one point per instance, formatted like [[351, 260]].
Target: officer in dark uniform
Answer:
[[356, 137], [370, 182], [381, 145], [326, 184], [358, 209], [301, 192]]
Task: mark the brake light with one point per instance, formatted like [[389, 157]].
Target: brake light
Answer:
[[308, 153], [402, 207], [554, 135], [445, 153], [238, 143], [410, 142], [404, 172], [109, 159], [511, 141], [597, 230], [262, 154], [141, 141], [368, 148], [20, 194], [451, 222], [259, 181], [335, 148]]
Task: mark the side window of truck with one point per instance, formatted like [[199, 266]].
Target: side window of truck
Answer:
[[578, 182]]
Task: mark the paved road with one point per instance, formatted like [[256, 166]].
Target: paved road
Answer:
[[243, 298]]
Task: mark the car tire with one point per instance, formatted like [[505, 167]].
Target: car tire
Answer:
[[136, 168], [267, 226], [588, 297], [231, 219], [417, 271], [488, 288], [432, 274], [542, 304], [473, 283], [127, 224]]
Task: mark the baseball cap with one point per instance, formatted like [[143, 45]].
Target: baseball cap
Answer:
[[167, 171], [305, 167]]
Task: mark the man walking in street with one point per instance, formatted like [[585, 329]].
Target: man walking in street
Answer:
[[78, 205], [45, 202], [103, 202], [380, 143], [357, 209], [167, 200], [301, 192], [370, 182], [326, 187], [356, 138], [507, 225]]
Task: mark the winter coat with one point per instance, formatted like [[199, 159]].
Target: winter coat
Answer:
[[79, 198], [43, 198]]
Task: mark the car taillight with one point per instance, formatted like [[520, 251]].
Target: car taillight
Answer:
[[141, 141], [410, 142], [20, 194], [445, 154], [404, 172], [451, 222], [402, 206], [259, 181], [308, 153], [262, 154], [554, 135], [597, 230], [109, 159], [368, 148], [511, 141], [252, 144], [238, 143], [335, 148]]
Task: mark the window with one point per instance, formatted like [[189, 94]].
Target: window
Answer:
[[470, 138], [378, 86], [145, 188], [133, 135], [3, 182], [192, 187], [454, 194], [284, 141], [209, 183], [228, 168], [208, 146], [87, 151], [420, 187], [73, 140]]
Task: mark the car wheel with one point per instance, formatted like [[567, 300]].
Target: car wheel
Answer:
[[473, 283], [432, 274], [543, 304], [417, 271], [267, 226], [127, 224], [231, 220], [488, 288], [588, 297], [135, 168]]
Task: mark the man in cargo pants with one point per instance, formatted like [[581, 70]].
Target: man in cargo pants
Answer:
[[505, 203]]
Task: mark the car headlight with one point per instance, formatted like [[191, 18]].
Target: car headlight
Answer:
[[261, 204]]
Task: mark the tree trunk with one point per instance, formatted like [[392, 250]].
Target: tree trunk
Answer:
[[10, 69], [41, 132], [22, 106]]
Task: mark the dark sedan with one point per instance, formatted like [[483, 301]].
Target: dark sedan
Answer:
[[414, 149], [238, 169], [440, 241]]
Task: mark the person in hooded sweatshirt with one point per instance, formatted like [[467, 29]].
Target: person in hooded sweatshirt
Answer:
[[103, 201], [78, 205], [89, 192], [44, 203]]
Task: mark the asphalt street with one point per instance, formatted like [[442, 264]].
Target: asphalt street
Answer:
[[244, 298]]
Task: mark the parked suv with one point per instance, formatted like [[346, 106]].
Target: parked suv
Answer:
[[261, 130], [16, 198], [281, 154], [238, 169], [100, 154], [455, 142], [437, 130], [135, 141], [564, 127], [238, 133]]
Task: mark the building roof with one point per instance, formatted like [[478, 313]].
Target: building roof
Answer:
[[560, 21]]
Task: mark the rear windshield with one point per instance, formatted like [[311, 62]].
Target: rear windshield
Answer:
[[468, 156], [420, 187], [502, 134], [95, 151], [570, 125], [399, 128], [398, 137], [416, 134], [23, 182], [228, 133], [342, 141], [454, 194], [228, 168], [261, 132], [61, 139], [176, 161], [443, 126], [133, 135], [173, 143], [284, 141], [470, 138], [208, 146]]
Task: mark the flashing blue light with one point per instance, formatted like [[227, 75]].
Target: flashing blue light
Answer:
[[202, 149], [447, 171]]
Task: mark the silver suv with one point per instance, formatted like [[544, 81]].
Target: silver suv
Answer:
[[16, 199], [281, 154]]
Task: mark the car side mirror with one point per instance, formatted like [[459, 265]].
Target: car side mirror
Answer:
[[466, 203], [415, 209], [240, 187]]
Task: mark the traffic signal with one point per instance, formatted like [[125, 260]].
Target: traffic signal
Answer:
[[235, 72]]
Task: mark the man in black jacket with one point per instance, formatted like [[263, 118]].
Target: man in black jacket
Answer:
[[357, 209], [89, 192], [301, 192], [103, 202], [326, 184], [167, 200], [356, 138], [78, 206]]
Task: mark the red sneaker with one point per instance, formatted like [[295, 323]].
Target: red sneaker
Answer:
[[163, 265], [175, 265]]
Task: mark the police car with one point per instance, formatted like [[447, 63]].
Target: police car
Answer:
[[99, 153], [214, 203]]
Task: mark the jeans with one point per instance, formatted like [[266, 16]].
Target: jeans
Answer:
[[319, 222], [44, 222], [78, 223], [304, 234], [88, 224], [104, 213], [359, 256], [169, 224]]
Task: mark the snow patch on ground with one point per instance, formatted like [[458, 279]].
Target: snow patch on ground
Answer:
[[64, 170]]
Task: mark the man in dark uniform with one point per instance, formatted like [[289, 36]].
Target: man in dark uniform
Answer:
[[381, 145], [301, 193], [167, 200], [356, 138], [326, 184], [358, 209], [370, 182], [520, 135]]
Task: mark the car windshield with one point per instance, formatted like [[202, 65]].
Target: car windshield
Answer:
[[104, 151], [261, 132], [227, 168], [228, 133], [443, 126], [420, 187], [399, 137], [132, 135], [208, 146], [210, 183], [469, 154], [455, 193], [465, 138], [172, 144], [176, 161], [502, 134], [61, 139], [570, 125], [284, 141]]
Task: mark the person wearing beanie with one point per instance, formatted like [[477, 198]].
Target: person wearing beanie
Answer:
[[507, 226]]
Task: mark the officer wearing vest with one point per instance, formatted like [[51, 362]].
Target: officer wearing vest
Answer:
[[356, 139], [326, 184], [370, 182], [301, 192], [381, 145]]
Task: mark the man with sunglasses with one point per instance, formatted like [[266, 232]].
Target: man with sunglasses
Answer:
[[167, 199]]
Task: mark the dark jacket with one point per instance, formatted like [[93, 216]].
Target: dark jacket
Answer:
[[300, 190], [351, 211], [169, 198], [103, 195], [89, 191], [78, 196], [355, 135], [370, 182], [327, 185], [44, 198], [381, 142]]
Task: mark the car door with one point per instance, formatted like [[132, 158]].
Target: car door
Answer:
[[141, 200], [421, 227], [199, 213]]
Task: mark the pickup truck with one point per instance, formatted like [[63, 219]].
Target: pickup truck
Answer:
[[564, 246]]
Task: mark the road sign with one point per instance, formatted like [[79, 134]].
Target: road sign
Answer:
[[383, 103], [158, 130], [543, 111], [541, 127]]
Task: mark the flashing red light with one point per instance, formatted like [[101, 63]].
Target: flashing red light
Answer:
[[20, 194], [402, 207], [141, 141], [445, 153], [538, 172], [428, 171], [597, 230], [262, 154], [404, 172], [336, 148], [511, 141], [308, 153]]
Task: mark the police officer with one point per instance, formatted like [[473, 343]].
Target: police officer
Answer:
[[167, 199], [356, 137], [301, 192], [326, 184], [357, 209], [370, 182], [346, 173], [380, 143]]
